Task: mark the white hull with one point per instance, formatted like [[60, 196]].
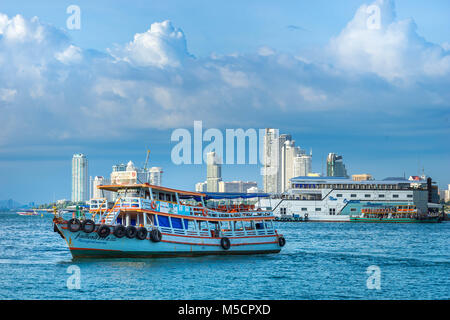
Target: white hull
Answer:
[[83, 244]]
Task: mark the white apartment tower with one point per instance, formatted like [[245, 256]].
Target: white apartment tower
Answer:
[[80, 187], [155, 176], [213, 172], [302, 165], [271, 162], [282, 161]]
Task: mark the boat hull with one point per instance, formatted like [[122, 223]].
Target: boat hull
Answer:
[[90, 245]]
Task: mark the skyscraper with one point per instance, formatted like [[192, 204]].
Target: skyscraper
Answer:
[[80, 188], [282, 161], [271, 161], [302, 165], [155, 176], [213, 172], [335, 166]]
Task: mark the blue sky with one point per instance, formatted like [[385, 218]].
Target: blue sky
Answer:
[[136, 71]]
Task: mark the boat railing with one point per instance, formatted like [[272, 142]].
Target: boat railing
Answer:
[[183, 209]]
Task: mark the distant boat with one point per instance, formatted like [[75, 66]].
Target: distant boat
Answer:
[[28, 213]]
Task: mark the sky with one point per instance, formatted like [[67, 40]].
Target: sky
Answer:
[[330, 73]]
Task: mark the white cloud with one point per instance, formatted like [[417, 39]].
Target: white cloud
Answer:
[[56, 90], [312, 95], [160, 46], [71, 54], [393, 51], [7, 95]]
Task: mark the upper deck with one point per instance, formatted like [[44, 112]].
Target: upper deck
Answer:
[[173, 202]]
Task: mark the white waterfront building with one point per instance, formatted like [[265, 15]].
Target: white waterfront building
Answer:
[[80, 185], [339, 198]]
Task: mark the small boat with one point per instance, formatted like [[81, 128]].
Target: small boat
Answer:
[[28, 213], [154, 221], [394, 214]]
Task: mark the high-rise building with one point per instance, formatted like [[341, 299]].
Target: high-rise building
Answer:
[[271, 161], [282, 161], [447, 194], [213, 171], [155, 176], [80, 187], [302, 165], [335, 166], [98, 193], [201, 187]]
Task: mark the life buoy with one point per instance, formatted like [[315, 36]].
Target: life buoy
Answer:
[[119, 231], [281, 241], [103, 231], [88, 226], [155, 235], [225, 243], [130, 232], [204, 212], [153, 205], [74, 225], [141, 233]]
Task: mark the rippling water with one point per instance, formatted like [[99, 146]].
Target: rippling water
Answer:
[[319, 261]]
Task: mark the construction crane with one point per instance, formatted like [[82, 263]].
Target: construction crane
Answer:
[[146, 160]]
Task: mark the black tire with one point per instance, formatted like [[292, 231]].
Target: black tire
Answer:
[[130, 232], [74, 225], [141, 233], [281, 241], [225, 243], [103, 231], [119, 231], [155, 235], [88, 226]]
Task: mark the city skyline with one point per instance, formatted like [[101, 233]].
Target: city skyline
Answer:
[[110, 90]]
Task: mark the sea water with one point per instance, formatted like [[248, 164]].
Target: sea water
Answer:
[[319, 261]]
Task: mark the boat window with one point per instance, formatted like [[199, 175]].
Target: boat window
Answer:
[[248, 225], [318, 209], [353, 209], [304, 209], [367, 195], [203, 225], [395, 196], [381, 196], [339, 195], [225, 225], [353, 195], [238, 225], [409, 195]]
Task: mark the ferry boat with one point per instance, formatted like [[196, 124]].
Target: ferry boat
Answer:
[[336, 199], [153, 221], [393, 214]]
